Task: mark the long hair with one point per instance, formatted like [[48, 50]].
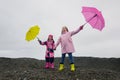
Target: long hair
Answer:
[[64, 27], [52, 38]]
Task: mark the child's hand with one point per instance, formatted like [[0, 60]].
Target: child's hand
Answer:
[[81, 27], [39, 41], [54, 48]]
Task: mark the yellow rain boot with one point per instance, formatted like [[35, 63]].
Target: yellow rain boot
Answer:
[[72, 67], [61, 67]]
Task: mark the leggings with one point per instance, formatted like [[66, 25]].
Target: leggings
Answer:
[[49, 59]]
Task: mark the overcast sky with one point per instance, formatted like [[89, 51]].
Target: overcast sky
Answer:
[[17, 16]]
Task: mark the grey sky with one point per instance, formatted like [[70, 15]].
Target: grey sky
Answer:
[[16, 17]]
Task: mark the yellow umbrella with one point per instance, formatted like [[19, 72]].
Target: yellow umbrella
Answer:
[[32, 33]]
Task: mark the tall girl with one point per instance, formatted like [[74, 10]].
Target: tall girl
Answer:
[[67, 46]]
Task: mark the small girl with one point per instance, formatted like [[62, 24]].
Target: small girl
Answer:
[[67, 46], [49, 57]]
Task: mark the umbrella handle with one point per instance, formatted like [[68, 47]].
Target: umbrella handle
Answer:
[[37, 38], [90, 19]]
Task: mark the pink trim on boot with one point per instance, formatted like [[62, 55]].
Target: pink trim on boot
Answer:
[[52, 65], [47, 65]]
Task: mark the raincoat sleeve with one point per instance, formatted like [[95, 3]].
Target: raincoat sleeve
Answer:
[[42, 43], [76, 31], [58, 42], [53, 45]]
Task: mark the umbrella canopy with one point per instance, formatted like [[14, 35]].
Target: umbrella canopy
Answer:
[[32, 33], [93, 17]]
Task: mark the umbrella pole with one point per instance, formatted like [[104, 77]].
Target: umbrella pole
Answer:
[[85, 23], [90, 19], [37, 38]]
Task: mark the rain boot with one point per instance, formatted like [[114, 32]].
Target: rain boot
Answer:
[[72, 67], [47, 65], [52, 65], [61, 67]]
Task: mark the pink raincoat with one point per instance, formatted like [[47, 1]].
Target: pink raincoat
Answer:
[[49, 48], [66, 41]]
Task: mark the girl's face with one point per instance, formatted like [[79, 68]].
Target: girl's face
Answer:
[[50, 38], [64, 30]]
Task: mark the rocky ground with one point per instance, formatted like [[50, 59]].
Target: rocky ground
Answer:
[[87, 68]]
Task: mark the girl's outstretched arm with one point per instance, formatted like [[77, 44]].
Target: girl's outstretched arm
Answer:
[[78, 30], [42, 43]]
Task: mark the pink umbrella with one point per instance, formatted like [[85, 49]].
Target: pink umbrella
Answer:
[[93, 17]]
